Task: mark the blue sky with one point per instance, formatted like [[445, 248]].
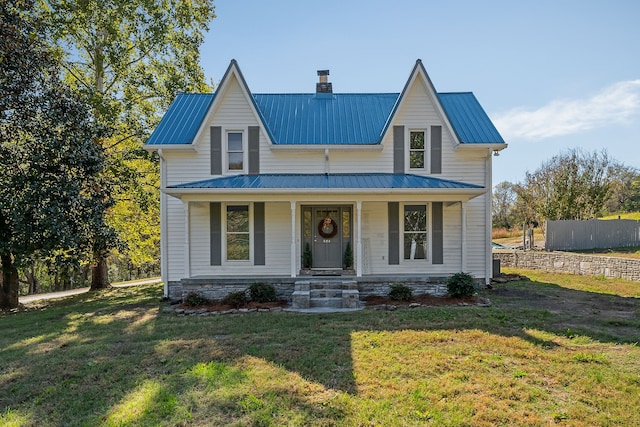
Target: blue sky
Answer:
[[552, 75]]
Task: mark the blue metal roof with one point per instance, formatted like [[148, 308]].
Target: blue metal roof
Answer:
[[330, 181], [182, 120], [325, 119], [331, 119], [469, 121]]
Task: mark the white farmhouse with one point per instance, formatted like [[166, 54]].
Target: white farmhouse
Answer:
[[369, 188]]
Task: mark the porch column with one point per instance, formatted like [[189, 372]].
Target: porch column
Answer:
[[187, 232], [463, 214], [359, 238], [293, 240]]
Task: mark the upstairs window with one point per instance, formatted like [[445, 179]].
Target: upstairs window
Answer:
[[235, 151], [416, 149]]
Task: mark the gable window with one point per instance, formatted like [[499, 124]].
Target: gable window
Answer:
[[415, 232], [238, 233], [416, 149], [235, 151]]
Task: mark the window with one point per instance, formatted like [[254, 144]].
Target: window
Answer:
[[235, 152], [415, 232], [237, 233], [416, 149]]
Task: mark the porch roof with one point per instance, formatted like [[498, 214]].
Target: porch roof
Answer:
[[338, 181]]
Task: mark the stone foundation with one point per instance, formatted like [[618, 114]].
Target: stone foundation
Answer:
[[564, 262], [218, 288]]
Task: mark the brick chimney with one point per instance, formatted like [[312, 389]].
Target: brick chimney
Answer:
[[323, 86]]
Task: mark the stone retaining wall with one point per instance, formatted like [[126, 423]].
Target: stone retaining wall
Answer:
[[622, 268]]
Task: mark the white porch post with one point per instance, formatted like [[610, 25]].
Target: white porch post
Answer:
[[359, 238], [294, 258], [187, 232], [463, 214], [164, 276]]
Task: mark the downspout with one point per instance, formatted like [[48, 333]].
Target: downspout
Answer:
[[163, 226], [488, 227]]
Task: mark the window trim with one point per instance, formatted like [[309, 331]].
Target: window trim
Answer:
[[425, 150], [225, 233], [402, 232], [245, 148]]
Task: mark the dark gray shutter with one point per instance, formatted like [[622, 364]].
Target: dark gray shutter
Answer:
[[398, 149], [436, 149], [436, 233], [394, 233], [258, 233], [254, 150], [215, 226], [216, 150]]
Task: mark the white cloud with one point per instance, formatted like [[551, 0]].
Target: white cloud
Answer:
[[614, 104]]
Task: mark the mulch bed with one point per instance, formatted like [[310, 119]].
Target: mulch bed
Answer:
[[425, 299]]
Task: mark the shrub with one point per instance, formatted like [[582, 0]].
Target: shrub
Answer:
[[235, 299], [347, 259], [307, 258], [194, 299], [262, 292], [461, 285], [400, 292]]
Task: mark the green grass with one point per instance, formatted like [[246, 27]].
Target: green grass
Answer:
[[540, 355], [626, 215]]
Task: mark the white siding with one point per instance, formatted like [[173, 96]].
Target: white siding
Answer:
[[175, 239], [235, 112], [277, 248], [376, 234]]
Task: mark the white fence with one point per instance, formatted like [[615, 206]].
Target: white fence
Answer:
[[591, 234]]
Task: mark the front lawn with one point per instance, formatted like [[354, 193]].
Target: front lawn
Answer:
[[546, 352]]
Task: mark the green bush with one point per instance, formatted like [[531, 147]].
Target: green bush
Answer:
[[262, 292], [400, 292], [194, 299], [461, 285], [235, 299]]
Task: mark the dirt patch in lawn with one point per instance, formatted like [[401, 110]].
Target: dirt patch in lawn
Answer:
[[572, 310]]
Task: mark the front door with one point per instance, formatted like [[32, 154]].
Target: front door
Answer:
[[327, 237]]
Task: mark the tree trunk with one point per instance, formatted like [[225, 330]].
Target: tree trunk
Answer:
[[8, 284], [99, 272]]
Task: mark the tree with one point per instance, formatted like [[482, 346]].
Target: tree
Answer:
[[503, 206], [572, 185], [50, 185], [130, 58]]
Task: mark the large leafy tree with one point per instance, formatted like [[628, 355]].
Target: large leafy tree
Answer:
[[131, 57], [572, 185], [51, 192], [503, 206]]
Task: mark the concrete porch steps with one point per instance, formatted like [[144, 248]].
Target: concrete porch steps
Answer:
[[325, 293]]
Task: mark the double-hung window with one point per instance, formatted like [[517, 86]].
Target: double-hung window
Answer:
[[235, 151], [238, 233], [415, 232], [417, 145]]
